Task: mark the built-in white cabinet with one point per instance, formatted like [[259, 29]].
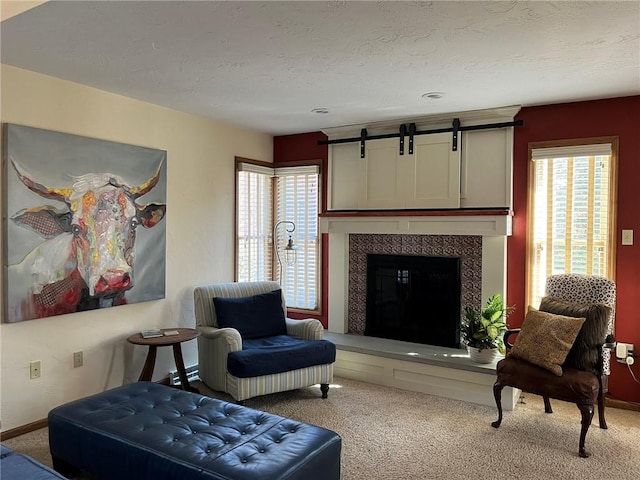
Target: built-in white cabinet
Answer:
[[476, 175], [384, 179], [433, 173], [487, 168]]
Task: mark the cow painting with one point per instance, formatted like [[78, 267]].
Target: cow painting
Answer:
[[87, 258], [86, 254]]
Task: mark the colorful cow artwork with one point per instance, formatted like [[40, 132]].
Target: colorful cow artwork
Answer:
[[86, 260]]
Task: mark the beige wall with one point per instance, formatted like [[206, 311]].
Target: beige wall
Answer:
[[200, 179]]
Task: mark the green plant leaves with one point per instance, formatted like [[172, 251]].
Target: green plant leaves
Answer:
[[485, 328]]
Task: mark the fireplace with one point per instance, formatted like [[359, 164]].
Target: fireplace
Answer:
[[479, 240], [414, 298], [467, 248]]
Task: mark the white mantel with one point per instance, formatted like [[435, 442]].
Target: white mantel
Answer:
[[493, 229], [484, 225]]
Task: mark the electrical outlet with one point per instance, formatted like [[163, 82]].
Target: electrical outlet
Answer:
[[624, 351], [35, 369], [77, 359]]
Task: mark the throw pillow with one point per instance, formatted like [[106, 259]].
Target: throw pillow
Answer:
[[585, 352], [254, 317], [545, 339]]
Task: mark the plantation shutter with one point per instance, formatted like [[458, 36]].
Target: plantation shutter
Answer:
[[254, 222], [571, 214], [297, 200]]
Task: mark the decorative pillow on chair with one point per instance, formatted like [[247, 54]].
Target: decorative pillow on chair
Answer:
[[545, 339], [254, 317], [584, 355]]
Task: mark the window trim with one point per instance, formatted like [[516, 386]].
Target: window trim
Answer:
[[612, 207], [274, 167], [303, 165]]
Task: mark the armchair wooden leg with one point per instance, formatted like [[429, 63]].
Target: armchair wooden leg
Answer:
[[324, 388], [587, 416], [547, 405], [497, 394], [601, 418]]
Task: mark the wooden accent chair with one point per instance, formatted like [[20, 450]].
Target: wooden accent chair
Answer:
[[576, 376]]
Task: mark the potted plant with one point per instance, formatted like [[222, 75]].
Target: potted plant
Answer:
[[482, 331]]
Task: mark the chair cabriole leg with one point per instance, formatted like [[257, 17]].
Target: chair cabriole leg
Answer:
[[497, 394], [587, 415], [601, 418]]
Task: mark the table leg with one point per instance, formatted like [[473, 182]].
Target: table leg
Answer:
[[182, 373], [147, 370]]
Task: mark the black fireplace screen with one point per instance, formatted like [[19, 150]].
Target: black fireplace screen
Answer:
[[414, 298]]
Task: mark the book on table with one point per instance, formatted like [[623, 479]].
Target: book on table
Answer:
[[151, 333]]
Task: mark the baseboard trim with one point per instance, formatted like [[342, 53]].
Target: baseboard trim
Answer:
[[21, 430], [38, 424], [622, 404]]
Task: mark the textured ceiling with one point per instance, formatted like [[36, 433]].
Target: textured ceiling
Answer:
[[267, 65]]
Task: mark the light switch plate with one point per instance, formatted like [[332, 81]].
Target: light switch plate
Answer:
[[627, 237]]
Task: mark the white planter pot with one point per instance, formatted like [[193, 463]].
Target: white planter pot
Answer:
[[485, 355]]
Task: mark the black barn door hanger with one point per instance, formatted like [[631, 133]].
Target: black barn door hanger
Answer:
[[411, 131]]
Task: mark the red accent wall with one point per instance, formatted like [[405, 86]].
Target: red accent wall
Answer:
[[301, 148], [613, 117]]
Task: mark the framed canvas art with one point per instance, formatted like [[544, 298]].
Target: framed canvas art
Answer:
[[84, 223]]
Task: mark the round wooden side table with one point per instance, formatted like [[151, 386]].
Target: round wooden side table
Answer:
[[175, 341]]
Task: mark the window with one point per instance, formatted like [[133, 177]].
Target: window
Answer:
[[571, 211], [254, 222], [297, 201], [266, 196]]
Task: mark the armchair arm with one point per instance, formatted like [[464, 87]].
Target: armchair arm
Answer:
[[513, 331], [307, 329], [214, 345], [227, 338]]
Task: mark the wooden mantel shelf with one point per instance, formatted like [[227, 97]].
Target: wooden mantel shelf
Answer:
[[482, 222], [416, 213]]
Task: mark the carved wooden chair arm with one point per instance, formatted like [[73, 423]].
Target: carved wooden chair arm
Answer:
[[513, 331]]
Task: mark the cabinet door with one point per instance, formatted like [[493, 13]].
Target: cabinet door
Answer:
[[345, 177], [432, 173], [487, 163], [383, 182]]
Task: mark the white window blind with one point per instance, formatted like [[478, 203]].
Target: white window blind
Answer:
[[297, 200], [571, 214], [254, 223]]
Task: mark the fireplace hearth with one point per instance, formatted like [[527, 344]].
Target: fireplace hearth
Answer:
[[414, 298]]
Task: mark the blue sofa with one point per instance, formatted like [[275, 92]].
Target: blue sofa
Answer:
[[146, 430], [16, 466]]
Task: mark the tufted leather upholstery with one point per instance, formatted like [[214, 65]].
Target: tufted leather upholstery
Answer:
[[16, 466], [146, 430]]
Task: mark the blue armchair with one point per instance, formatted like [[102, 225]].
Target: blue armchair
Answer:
[[248, 347]]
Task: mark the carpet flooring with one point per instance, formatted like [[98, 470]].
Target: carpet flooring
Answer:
[[394, 434]]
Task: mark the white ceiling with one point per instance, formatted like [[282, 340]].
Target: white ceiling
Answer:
[[267, 65]]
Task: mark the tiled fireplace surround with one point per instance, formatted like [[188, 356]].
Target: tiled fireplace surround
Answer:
[[480, 240], [466, 247]]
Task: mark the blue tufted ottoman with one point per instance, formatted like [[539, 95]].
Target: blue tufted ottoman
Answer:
[[146, 430]]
